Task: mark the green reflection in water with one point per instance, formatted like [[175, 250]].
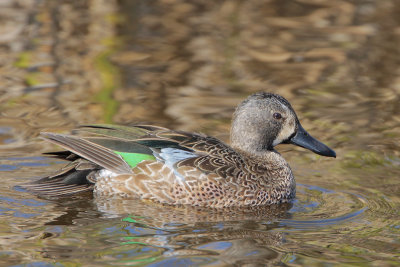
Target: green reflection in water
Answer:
[[110, 78], [24, 60], [132, 220], [358, 159], [31, 79]]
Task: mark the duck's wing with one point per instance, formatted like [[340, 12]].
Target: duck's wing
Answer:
[[98, 154], [121, 148], [180, 148]]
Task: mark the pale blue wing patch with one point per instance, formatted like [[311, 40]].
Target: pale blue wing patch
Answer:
[[171, 156]]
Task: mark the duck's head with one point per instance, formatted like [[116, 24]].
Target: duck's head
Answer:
[[265, 120]]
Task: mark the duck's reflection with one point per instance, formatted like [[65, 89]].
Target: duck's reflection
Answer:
[[220, 236], [160, 215]]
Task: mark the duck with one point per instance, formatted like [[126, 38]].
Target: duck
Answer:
[[152, 163]]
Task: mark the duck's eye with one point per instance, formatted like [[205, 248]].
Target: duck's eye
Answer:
[[277, 116]]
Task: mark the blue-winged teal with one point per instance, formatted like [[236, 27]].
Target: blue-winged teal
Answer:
[[176, 167]]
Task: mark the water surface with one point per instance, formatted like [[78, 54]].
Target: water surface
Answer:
[[185, 65]]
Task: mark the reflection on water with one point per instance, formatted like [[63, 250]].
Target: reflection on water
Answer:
[[185, 65]]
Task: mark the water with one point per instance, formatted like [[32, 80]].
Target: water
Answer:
[[185, 65]]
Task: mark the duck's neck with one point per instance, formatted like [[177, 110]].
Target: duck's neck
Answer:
[[251, 146], [269, 159], [251, 140]]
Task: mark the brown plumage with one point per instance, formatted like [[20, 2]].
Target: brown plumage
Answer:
[[175, 167]]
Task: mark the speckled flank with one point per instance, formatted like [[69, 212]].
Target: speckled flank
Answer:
[[232, 187]]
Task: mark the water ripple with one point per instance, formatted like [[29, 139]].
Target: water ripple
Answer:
[[318, 207]]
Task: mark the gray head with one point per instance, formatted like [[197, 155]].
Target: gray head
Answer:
[[265, 120]]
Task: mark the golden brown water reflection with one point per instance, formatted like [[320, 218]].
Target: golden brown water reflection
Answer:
[[185, 65]]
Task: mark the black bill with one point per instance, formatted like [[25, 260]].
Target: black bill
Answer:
[[304, 139]]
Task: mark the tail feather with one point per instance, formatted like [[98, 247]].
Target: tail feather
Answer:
[[63, 184]]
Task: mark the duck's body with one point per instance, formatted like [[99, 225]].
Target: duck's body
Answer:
[[173, 167]]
